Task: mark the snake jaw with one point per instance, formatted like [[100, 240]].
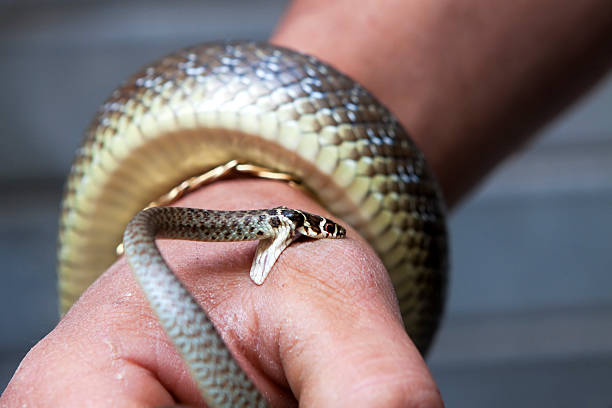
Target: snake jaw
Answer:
[[338, 230], [324, 228], [330, 229], [311, 225]]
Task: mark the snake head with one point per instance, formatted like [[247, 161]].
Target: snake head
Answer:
[[329, 229], [314, 226]]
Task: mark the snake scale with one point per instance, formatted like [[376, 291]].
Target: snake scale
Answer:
[[266, 105]]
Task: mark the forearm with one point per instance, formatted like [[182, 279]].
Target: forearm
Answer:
[[470, 81]]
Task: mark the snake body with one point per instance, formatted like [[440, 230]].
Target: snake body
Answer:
[[272, 107], [218, 376]]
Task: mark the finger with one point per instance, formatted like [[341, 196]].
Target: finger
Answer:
[[87, 358], [340, 338]]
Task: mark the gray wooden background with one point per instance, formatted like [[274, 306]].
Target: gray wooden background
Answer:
[[529, 319]]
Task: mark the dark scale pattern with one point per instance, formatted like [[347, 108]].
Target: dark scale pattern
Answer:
[[213, 225]]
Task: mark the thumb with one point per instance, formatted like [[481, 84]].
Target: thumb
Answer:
[[344, 343]]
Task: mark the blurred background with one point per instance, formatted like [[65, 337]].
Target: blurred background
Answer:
[[529, 318]]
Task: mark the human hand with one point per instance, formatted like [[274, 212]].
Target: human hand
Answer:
[[324, 329]]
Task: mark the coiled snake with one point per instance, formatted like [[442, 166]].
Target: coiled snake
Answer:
[[267, 106]]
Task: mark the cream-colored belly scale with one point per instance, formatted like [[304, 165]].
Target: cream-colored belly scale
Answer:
[[260, 104]]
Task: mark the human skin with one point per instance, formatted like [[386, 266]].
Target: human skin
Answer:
[[470, 82], [324, 327]]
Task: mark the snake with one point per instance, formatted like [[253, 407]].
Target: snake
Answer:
[[267, 106]]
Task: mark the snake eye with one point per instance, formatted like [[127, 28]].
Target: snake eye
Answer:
[[330, 228]]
